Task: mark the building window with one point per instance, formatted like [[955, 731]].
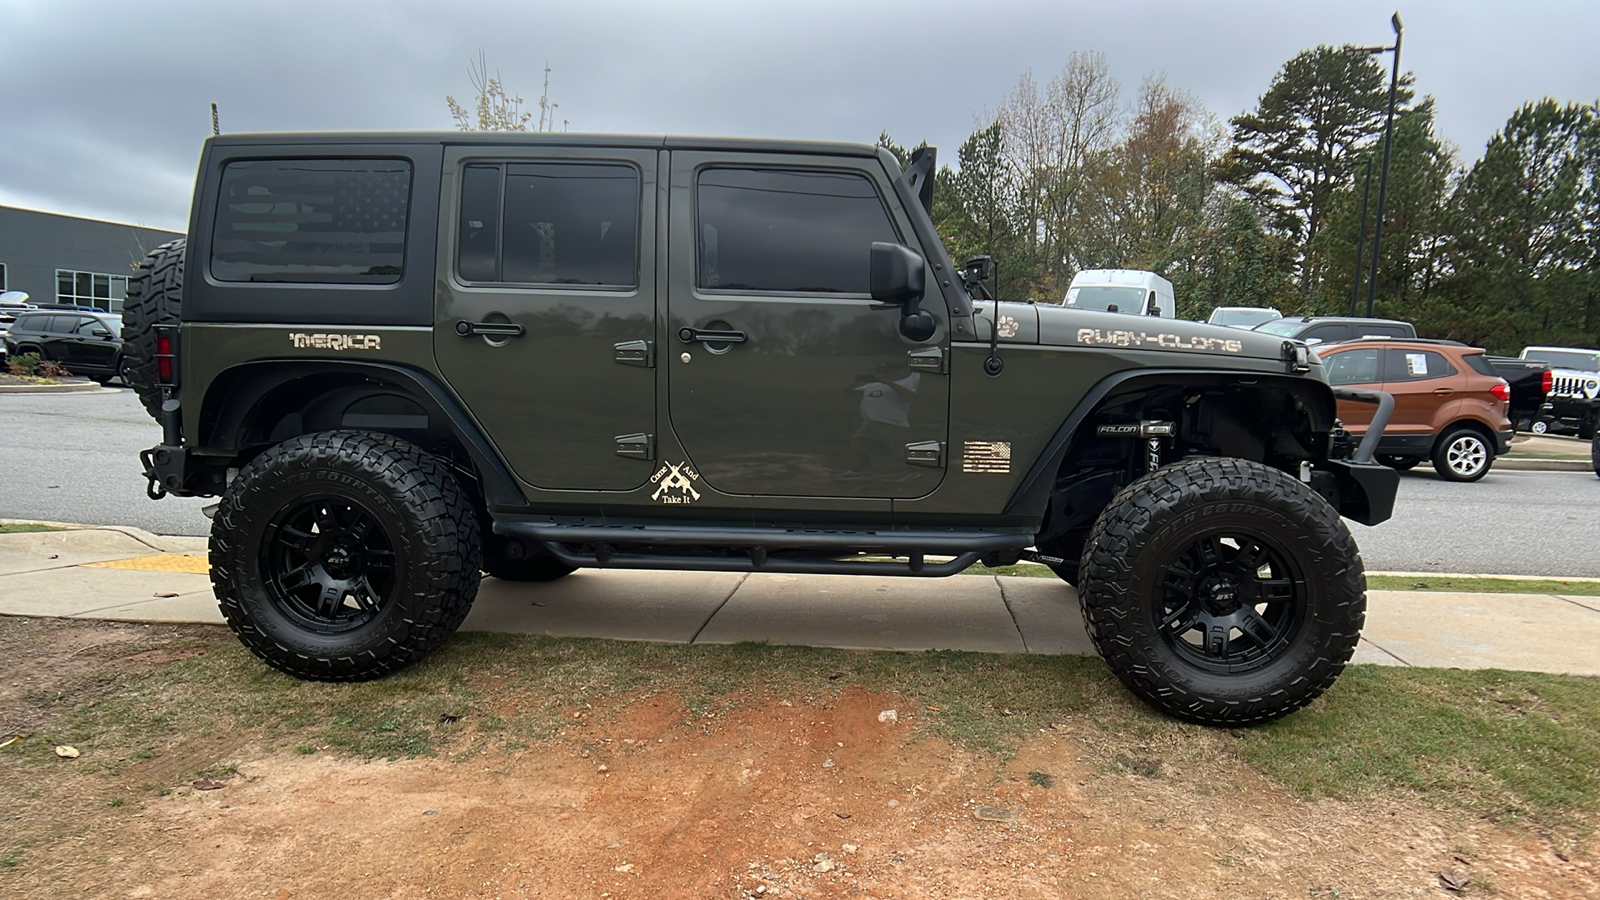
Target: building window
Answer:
[[103, 292]]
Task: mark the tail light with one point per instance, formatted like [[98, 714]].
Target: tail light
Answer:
[[1501, 391], [1547, 380], [166, 357]]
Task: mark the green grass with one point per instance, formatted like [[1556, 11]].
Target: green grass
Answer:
[[1507, 745], [27, 528], [1483, 585]]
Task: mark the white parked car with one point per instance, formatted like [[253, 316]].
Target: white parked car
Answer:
[[1246, 317]]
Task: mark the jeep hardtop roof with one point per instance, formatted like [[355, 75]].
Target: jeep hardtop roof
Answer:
[[561, 139]]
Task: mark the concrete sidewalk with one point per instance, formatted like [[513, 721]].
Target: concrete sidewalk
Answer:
[[131, 575]]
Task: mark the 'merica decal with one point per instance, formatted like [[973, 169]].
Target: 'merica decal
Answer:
[[302, 341]]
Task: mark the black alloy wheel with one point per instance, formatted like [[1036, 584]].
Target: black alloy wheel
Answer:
[[344, 555], [329, 564], [1222, 591], [1230, 601]]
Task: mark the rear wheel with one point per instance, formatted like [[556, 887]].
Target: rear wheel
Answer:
[[342, 556], [1222, 591], [152, 300], [1462, 454]]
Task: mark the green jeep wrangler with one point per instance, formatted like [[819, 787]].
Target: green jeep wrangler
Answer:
[[405, 360]]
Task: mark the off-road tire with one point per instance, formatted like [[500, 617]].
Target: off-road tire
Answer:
[[153, 294], [1130, 576], [1463, 454], [1594, 454], [1399, 463], [413, 505]]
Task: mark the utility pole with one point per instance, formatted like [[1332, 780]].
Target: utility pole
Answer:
[[1361, 239], [1383, 179]]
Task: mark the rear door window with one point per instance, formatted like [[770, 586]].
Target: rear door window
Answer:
[[1406, 364], [550, 224], [312, 221], [788, 231]]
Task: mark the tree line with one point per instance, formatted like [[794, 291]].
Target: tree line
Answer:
[[1266, 209]]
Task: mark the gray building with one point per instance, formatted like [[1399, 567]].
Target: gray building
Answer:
[[70, 261]]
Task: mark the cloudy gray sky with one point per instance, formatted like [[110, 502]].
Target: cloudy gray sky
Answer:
[[104, 103]]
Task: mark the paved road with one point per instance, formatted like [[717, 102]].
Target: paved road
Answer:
[[73, 458]]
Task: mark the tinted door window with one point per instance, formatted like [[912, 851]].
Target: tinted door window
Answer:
[[789, 231], [1327, 334], [1354, 366], [1416, 365], [550, 223], [319, 221]]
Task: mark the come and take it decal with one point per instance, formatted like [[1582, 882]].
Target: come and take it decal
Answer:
[[675, 484]]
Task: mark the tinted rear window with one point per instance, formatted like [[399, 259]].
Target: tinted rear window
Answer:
[[1479, 363], [550, 223], [312, 221]]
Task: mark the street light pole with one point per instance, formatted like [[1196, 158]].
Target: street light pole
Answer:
[[1361, 239], [1383, 178]]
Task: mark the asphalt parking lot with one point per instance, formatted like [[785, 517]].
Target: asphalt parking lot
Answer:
[[74, 458]]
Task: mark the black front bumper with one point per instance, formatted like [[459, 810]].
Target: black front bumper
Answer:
[[1364, 491]]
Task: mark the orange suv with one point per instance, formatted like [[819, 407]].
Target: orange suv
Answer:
[[1449, 405]]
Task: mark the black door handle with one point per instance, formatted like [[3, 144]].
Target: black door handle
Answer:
[[489, 329], [690, 335]]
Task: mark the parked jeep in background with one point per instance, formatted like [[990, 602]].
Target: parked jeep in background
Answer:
[[1572, 404], [1449, 405], [401, 359]]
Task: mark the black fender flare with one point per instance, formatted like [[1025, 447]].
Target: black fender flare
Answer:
[[222, 423], [1033, 492]]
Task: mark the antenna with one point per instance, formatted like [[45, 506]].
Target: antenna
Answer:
[[216, 126]]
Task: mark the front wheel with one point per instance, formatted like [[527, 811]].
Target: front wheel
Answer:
[[1222, 591], [1463, 454], [1594, 454], [342, 556]]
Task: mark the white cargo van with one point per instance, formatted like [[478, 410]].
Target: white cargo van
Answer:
[[1122, 290]]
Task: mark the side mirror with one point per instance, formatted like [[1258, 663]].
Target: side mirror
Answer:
[[897, 276]]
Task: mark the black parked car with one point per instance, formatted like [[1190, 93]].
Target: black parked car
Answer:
[[1332, 329], [84, 343]]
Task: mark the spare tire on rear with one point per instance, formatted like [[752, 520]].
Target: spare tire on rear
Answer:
[[153, 294]]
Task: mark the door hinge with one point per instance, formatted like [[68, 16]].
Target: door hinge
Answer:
[[635, 353], [928, 359], [636, 446], [928, 454]]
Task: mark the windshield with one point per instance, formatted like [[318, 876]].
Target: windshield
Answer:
[[1248, 318], [1587, 361], [1285, 327], [1125, 299]]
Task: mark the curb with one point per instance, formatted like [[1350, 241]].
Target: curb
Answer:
[[1531, 464], [157, 542], [75, 388]]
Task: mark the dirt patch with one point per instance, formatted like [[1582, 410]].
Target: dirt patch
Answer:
[[751, 795]]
